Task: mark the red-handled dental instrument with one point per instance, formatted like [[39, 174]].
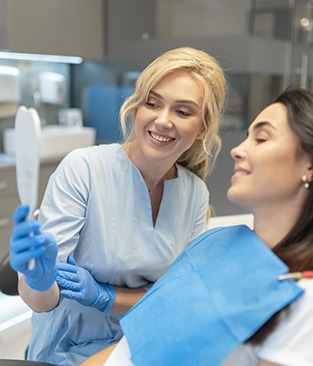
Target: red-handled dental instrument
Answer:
[[296, 275]]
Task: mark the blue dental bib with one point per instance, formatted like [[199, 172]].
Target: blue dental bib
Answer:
[[215, 296]]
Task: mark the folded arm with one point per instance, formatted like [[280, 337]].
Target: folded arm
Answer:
[[77, 283]]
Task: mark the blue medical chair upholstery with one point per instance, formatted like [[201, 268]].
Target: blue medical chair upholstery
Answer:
[[102, 104]]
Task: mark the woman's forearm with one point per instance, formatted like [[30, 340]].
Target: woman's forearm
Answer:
[[39, 301], [126, 298], [99, 358]]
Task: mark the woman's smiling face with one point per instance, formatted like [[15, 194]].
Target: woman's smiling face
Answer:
[[170, 120], [268, 163]]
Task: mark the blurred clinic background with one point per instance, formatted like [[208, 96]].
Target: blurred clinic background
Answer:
[[75, 61]]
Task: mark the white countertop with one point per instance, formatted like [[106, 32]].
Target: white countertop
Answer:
[[15, 327], [13, 310]]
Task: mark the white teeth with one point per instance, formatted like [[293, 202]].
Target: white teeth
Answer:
[[160, 138], [241, 172]]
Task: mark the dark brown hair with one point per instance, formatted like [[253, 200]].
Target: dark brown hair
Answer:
[[296, 248]]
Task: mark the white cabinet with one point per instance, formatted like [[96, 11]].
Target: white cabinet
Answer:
[[8, 201], [60, 27]]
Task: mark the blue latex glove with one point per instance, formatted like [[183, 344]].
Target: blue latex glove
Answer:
[[28, 242], [78, 284]]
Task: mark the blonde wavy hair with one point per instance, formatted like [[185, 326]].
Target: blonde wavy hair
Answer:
[[200, 157]]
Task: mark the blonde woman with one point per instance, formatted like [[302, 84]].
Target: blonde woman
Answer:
[[119, 214]]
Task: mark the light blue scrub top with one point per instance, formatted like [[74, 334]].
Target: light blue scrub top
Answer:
[[97, 206]]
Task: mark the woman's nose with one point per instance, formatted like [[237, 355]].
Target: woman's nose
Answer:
[[237, 151], [163, 120]]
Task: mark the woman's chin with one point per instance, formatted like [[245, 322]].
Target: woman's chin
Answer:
[[234, 196]]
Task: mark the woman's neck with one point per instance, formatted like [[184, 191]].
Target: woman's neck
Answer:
[[272, 225], [153, 174]]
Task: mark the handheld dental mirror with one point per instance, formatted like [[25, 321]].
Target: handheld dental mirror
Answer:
[[27, 150]]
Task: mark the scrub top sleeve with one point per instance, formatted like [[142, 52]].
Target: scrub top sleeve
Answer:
[[200, 223], [73, 177], [291, 342], [66, 197]]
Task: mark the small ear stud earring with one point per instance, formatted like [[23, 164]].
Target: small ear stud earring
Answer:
[[305, 181]]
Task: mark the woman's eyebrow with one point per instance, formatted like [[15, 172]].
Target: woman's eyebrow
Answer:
[[186, 101], [262, 124], [155, 94]]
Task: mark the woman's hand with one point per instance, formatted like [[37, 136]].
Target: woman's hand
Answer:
[[28, 242], [78, 284]]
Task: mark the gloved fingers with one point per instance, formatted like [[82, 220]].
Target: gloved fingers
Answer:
[[67, 284], [68, 276], [41, 277], [72, 295], [77, 283], [65, 267], [51, 252], [20, 213], [24, 229], [27, 243], [20, 261]]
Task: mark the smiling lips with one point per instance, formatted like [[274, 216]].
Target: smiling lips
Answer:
[[160, 138], [239, 172]]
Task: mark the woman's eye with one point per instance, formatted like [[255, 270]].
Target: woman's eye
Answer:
[[151, 105], [183, 113], [259, 140]]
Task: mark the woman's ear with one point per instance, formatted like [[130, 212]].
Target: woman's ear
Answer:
[[201, 133], [310, 174], [308, 167]]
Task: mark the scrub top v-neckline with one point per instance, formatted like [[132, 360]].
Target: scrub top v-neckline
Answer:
[[153, 223]]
